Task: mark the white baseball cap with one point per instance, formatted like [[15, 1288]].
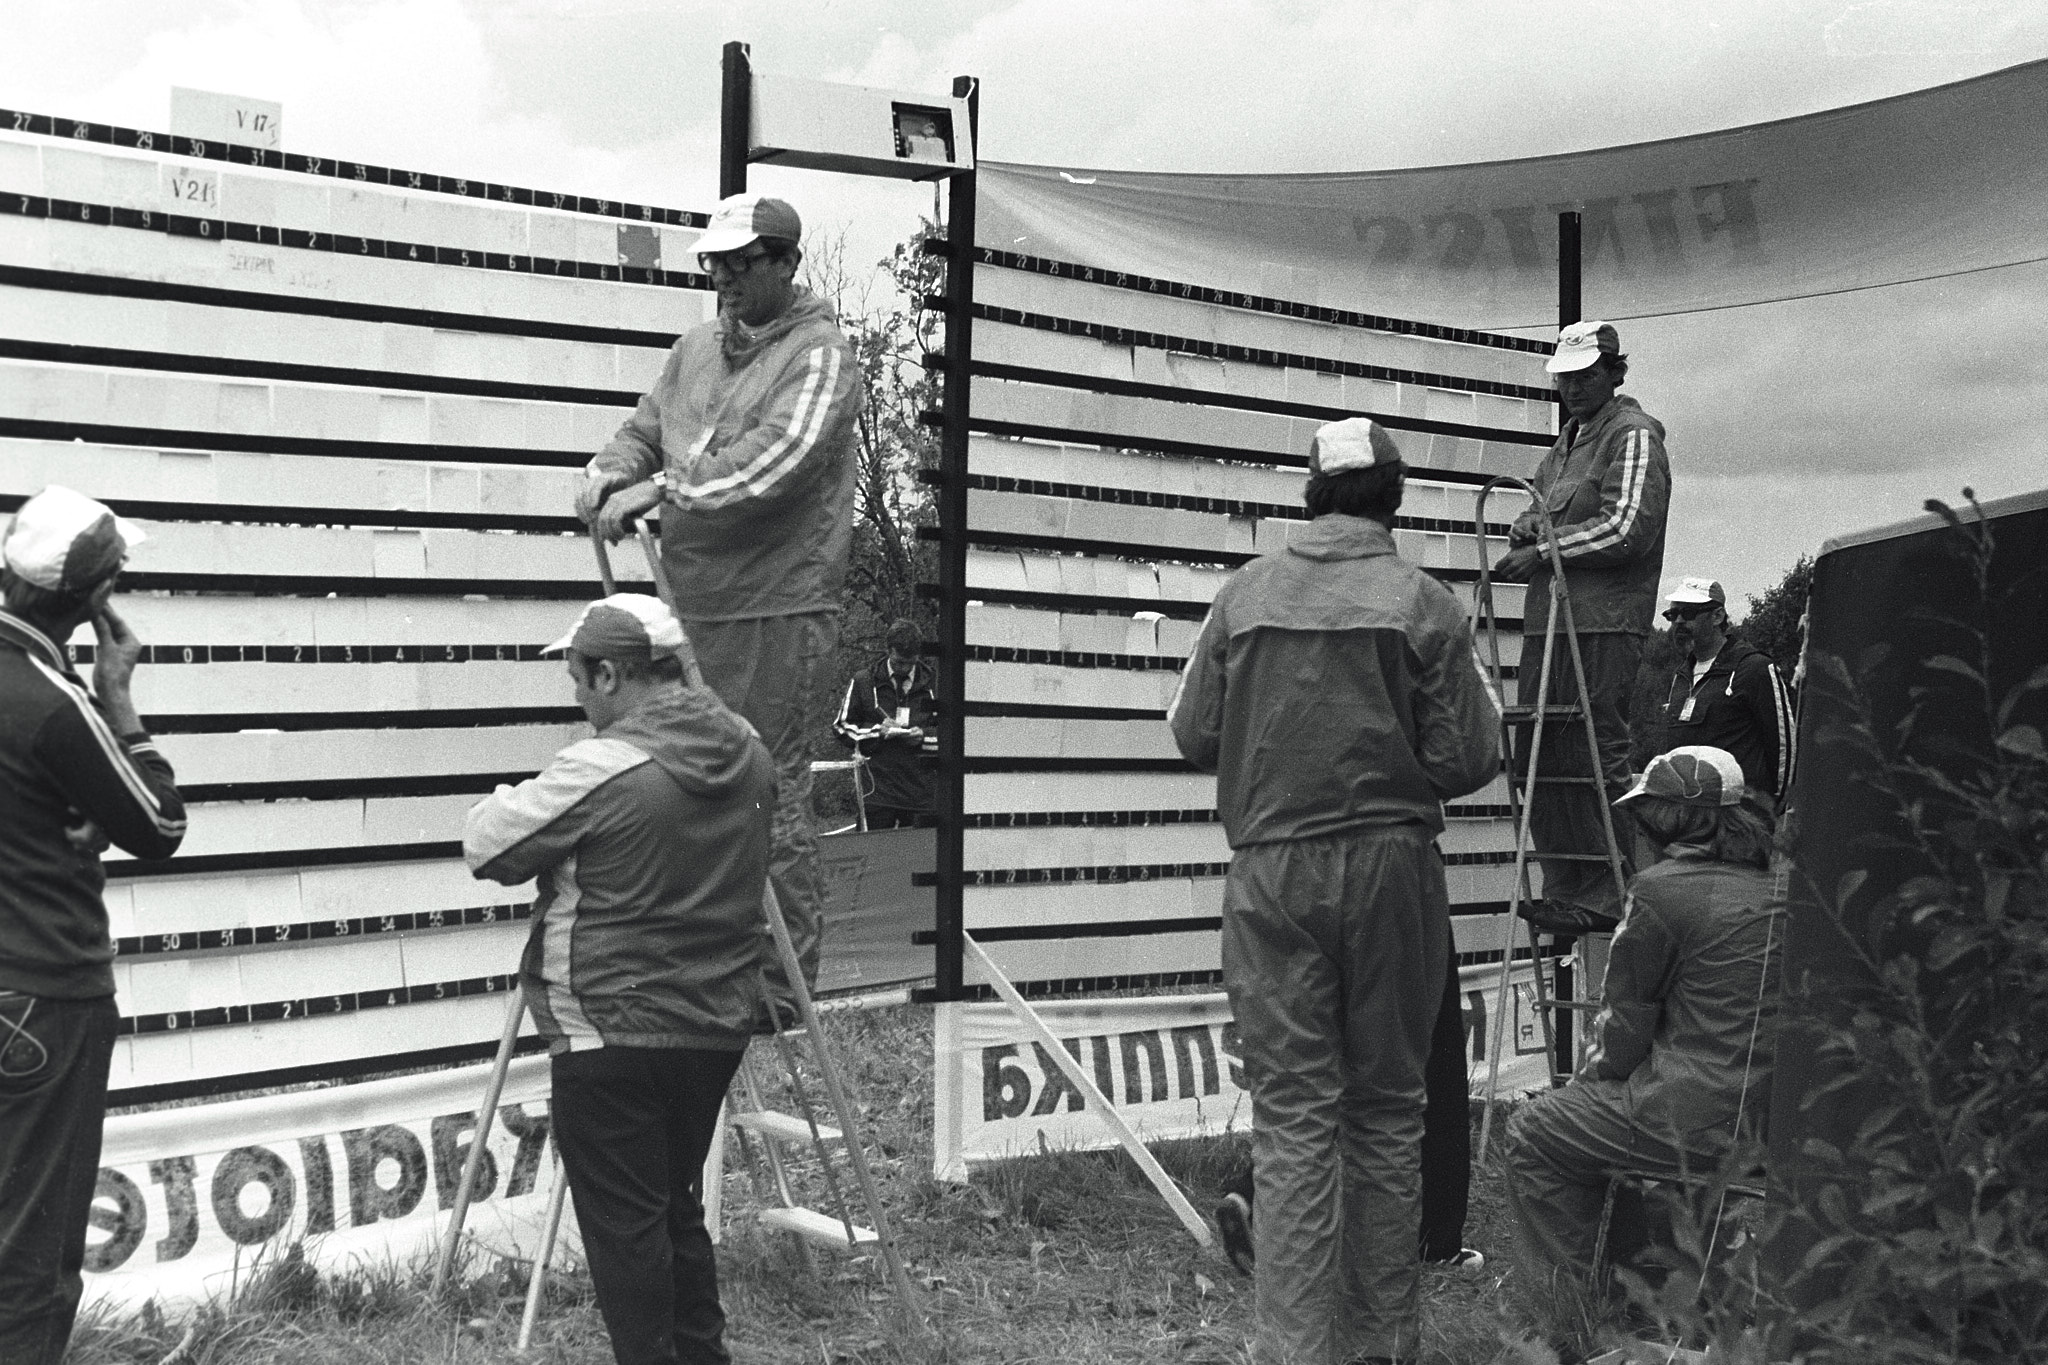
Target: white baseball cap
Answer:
[[1354, 443], [626, 625], [63, 541], [743, 218], [1579, 345], [1692, 775], [1697, 592]]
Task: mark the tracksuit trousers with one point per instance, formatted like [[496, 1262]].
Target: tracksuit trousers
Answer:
[[770, 669], [1334, 958], [1566, 816], [634, 1125]]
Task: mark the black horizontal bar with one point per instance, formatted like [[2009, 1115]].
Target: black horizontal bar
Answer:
[[339, 788], [100, 433], [1045, 711], [213, 296], [1020, 597], [565, 590], [66, 353], [1279, 407], [1043, 764], [1017, 540], [326, 516], [271, 860], [213, 942], [351, 1068], [1073, 985], [231, 722], [1123, 928]]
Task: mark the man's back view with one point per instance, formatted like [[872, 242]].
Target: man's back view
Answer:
[[1335, 693]]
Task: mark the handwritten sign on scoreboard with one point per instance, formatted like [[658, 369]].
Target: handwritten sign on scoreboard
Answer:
[[236, 119]]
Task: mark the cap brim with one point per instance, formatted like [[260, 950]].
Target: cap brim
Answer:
[[1690, 600], [131, 534], [1642, 784], [724, 239], [1562, 364], [561, 646]]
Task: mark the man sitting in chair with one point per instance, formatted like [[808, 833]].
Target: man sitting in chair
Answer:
[[1679, 1061]]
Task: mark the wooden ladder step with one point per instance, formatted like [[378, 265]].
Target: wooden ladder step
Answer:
[[781, 1127], [817, 1228]]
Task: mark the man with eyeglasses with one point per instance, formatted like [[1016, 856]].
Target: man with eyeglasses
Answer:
[[1728, 694], [745, 443], [1607, 485]]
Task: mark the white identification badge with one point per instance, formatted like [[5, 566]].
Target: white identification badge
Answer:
[[1685, 712], [903, 716]]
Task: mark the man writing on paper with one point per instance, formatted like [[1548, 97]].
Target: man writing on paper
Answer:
[[1335, 692], [77, 771], [746, 444], [650, 842], [1607, 485]]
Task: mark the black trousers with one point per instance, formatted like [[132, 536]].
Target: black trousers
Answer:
[[633, 1126], [54, 1056], [1446, 1131]]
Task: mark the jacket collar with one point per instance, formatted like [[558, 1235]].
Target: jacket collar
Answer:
[[25, 637], [1600, 420], [922, 674], [1337, 536]]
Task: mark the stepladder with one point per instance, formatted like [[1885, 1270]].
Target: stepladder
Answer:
[[1526, 727]]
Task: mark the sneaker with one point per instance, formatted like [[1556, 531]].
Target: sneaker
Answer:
[[1234, 1221], [1567, 921], [1465, 1261]]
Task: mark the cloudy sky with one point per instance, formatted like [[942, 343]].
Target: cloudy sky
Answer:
[[1788, 422]]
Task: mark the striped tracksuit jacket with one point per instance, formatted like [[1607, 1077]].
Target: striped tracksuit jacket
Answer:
[[1608, 486]]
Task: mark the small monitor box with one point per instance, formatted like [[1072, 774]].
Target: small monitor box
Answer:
[[828, 127]]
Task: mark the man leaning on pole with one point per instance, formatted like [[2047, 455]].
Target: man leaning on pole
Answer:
[[650, 842], [745, 442], [77, 771], [1335, 692], [1607, 486]]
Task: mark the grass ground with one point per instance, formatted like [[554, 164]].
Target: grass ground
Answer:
[[1066, 1257]]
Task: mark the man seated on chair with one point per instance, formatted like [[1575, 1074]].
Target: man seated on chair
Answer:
[[1678, 1064], [650, 841]]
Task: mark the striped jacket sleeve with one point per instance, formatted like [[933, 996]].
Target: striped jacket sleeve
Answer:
[[516, 833], [805, 417], [1634, 496], [1769, 700], [123, 784], [858, 717]]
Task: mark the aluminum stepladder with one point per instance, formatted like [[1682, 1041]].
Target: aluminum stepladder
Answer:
[[772, 1129], [1522, 796]]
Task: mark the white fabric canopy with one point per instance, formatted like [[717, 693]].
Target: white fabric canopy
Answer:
[[1933, 183]]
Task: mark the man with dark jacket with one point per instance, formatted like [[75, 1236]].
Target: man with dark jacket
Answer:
[[890, 715], [643, 971], [1335, 692], [1607, 486], [1727, 694], [746, 444], [77, 771]]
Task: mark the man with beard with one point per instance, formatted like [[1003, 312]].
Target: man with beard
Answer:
[[1727, 694], [746, 444]]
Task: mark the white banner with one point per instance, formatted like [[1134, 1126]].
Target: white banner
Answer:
[[1931, 183], [192, 1202], [1170, 1063]]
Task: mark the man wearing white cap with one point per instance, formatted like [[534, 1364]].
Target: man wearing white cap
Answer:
[[745, 443], [1607, 486], [1727, 693], [643, 970], [1679, 1061], [77, 770], [1335, 693]]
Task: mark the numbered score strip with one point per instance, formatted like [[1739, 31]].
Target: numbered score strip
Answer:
[[635, 243], [143, 140]]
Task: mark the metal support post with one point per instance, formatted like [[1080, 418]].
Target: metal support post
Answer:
[[735, 118]]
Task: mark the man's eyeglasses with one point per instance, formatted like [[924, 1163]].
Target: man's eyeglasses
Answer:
[[733, 262], [1687, 613]]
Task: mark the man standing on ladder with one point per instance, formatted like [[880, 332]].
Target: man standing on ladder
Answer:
[[746, 443], [1607, 485], [1335, 692], [650, 843]]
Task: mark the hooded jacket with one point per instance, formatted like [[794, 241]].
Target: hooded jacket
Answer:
[[1741, 704], [60, 762], [1334, 685], [894, 761], [1607, 484], [752, 430], [650, 843], [1688, 1013]]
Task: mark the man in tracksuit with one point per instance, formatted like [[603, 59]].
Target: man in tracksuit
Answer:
[[77, 771], [1727, 694], [643, 971], [1335, 693], [1607, 486], [746, 443], [890, 715]]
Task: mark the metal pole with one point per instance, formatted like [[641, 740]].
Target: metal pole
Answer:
[[1570, 307], [507, 1041], [735, 119], [536, 1283], [952, 785]]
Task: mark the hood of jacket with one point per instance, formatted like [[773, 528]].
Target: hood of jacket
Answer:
[[693, 738], [741, 344], [1619, 409], [1337, 536]]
